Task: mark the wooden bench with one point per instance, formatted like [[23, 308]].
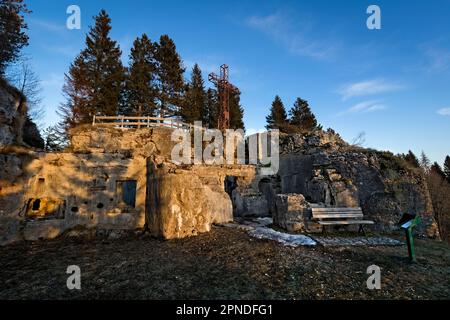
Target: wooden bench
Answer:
[[339, 216]]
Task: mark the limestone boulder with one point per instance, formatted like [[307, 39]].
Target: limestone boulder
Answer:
[[291, 212]]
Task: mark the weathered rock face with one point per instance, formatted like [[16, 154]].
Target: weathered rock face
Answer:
[[145, 142], [13, 111], [328, 171], [31, 134], [186, 201]]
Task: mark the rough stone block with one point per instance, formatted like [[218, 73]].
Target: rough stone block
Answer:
[[250, 204], [291, 212]]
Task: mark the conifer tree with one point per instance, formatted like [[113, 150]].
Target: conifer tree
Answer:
[[436, 168], [210, 113], [95, 79], [425, 162], [277, 119], [236, 112], [447, 168], [170, 77], [412, 159], [54, 138], [195, 98], [301, 118], [140, 88], [12, 31]]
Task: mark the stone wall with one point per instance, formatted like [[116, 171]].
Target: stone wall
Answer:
[[43, 195], [113, 179]]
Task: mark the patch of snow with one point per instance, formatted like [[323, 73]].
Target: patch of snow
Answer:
[[286, 239], [264, 221]]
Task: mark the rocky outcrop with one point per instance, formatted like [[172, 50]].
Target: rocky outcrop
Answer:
[[13, 112], [31, 135], [16, 127], [330, 172], [145, 142]]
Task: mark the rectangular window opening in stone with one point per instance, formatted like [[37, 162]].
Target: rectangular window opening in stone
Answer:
[[126, 192]]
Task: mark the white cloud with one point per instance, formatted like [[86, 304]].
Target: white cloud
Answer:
[[368, 87], [438, 60], [365, 107], [444, 112], [280, 27]]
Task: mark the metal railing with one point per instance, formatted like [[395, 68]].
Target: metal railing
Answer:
[[125, 122]]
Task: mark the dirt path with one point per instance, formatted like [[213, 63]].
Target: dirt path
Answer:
[[223, 264]]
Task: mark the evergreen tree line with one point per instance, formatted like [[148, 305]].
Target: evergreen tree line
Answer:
[[13, 37], [152, 85], [438, 181], [300, 120]]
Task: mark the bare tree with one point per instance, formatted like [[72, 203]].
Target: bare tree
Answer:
[[22, 76], [360, 140]]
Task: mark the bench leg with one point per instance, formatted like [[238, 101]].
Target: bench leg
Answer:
[[361, 229]]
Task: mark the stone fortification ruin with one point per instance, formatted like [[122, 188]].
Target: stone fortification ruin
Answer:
[[123, 179]]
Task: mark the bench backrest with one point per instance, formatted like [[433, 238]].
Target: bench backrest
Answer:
[[336, 213]]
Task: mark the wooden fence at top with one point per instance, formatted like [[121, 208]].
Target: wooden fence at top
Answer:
[[126, 122]]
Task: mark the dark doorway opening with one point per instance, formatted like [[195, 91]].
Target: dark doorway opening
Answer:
[[36, 205], [230, 185]]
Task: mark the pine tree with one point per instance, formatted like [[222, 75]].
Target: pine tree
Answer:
[[195, 98], [12, 31], [170, 77], [447, 168], [95, 79], [210, 116], [301, 117], [425, 162], [236, 112], [277, 119], [436, 168], [412, 159], [140, 88]]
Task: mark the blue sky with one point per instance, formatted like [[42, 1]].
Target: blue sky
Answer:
[[392, 83]]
